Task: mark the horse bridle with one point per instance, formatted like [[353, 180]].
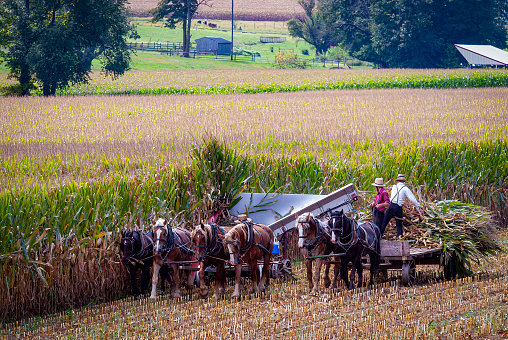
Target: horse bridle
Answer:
[[353, 235], [132, 240], [212, 246]]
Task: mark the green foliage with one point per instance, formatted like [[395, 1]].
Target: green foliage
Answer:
[[55, 42], [219, 174], [315, 28], [464, 231], [242, 51], [336, 53]]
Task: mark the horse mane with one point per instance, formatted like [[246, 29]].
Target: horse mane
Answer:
[[205, 229], [305, 217], [160, 223]]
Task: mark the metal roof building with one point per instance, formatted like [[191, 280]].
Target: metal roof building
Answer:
[[483, 55], [213, 44]]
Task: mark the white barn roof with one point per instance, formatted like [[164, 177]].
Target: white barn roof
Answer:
[[483, 54]]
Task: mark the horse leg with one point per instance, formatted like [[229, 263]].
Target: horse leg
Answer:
[[220, 278], [343, 271], [352, 276], [373, 267], [359, 271], [336, 267], [317, 275], [308, 264], [238, 277], [176, 279], [164, 276], [133, 270], [203, 289], [265, 278], [255, 274], [145, 278], [155, 278], [326, 276]]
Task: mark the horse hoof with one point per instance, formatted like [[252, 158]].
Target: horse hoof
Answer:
[[203, 293], [152, 297], [327, 283]]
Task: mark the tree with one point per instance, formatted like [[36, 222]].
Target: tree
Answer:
[[315, 28], [54, 42], [421, 33], [178, 11]]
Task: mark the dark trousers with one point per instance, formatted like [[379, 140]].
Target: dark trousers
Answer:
[[394, 210], [377, 218]]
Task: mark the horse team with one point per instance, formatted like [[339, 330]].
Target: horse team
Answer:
[[167, 248]]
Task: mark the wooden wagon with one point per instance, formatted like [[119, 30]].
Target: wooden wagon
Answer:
[[399, 255]]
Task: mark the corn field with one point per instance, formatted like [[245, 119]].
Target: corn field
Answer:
[[76, 169], [238, 81]]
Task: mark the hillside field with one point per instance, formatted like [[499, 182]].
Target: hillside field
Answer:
[[253, 10]]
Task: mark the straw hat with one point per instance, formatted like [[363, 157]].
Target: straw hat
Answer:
[[378, 182], [400, 178]]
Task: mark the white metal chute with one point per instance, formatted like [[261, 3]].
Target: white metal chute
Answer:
[[279, 211]]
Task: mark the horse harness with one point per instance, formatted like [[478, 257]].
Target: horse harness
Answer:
[[146, 242], [214, 245], [322, 235], [174, 240], [357, 234], [250, 240]]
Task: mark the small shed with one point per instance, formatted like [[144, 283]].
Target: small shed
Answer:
[[214, 44]]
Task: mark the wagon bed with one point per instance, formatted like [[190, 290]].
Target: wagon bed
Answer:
[[400, 256]]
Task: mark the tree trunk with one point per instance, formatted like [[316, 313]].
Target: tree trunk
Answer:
[[46, 89], [24, 80], [185, 38]]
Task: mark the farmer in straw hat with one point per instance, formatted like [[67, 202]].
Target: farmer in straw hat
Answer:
[[381, 202], [400, 192]]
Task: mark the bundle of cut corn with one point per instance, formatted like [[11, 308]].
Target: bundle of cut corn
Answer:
[[465, 232]]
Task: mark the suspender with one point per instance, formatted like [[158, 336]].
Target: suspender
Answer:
[[397, 194]]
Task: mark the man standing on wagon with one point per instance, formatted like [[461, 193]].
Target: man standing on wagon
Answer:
[[400, 192]]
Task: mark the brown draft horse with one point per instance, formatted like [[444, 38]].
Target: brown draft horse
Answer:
[[314, 239], [207, 242], [247, 243], [171, 247]]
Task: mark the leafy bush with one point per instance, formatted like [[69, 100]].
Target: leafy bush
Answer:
[[289, 59]]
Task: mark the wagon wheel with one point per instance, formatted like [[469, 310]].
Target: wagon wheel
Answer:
[[449, 269], [409, 273], [281, 271]]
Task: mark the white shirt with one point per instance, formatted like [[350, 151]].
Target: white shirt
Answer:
[[400, 192]]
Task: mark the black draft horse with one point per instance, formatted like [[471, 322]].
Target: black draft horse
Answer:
[[357, 239], [137, 254]]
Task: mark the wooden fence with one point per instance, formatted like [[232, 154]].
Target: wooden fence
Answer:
[[163, 47], [272, 39]]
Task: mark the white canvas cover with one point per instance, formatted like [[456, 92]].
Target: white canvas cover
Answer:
[[483, 54]]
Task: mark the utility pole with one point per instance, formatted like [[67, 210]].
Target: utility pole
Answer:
[[232, 27]]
